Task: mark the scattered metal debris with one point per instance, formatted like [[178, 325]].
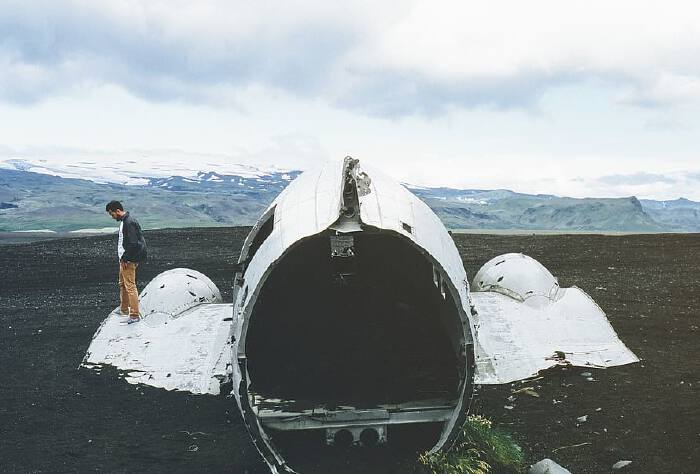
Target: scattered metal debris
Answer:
[[571, 446], [528, 391], [621, 465]]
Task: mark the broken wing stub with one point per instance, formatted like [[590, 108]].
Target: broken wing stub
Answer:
[[182, 342], [526, 323]]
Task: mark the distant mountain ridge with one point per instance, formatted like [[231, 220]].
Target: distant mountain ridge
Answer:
[[30, 201], [33, 201], [504, 209], [215, 182]]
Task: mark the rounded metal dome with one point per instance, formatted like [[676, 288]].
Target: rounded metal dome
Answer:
[[516, 275], [175, 291]]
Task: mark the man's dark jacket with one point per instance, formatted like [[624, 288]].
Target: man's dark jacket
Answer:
[[134, 244]]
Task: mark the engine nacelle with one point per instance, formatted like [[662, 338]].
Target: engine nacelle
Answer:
[[175, 291], [516, 275]]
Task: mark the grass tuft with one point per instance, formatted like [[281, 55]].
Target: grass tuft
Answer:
[[479, 449]]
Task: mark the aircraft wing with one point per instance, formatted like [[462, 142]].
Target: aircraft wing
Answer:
[[526, 323], [182, 343]]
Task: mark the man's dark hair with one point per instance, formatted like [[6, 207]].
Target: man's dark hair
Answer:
[[114, 206]]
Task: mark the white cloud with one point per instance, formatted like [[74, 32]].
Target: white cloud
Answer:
[[421, 57], [520, 95], [504, 38], [665, 90]]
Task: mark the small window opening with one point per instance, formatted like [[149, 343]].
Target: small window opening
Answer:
[[263, 233]]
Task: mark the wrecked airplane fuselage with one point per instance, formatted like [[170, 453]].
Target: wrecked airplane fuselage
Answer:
[[350, 314], [352, 318]]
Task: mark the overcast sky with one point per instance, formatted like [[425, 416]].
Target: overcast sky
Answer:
[[577, 98]]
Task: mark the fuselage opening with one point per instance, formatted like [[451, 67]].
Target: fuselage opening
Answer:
[[354, 336]]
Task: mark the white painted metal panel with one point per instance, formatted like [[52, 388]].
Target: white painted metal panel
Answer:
[[175, 291], [190, 352], [516, 275], [389, 205], [517, 339], [309, 205], [312, 202]]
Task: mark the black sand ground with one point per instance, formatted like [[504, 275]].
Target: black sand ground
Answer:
[[56, 418]]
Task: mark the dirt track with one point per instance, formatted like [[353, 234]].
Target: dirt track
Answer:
[[54, 417]]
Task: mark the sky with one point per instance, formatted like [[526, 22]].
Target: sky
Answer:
[[574, 98]]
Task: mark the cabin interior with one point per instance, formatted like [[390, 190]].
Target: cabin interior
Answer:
[[361, 321]]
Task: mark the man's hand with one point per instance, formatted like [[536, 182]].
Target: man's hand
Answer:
[[122, 264]]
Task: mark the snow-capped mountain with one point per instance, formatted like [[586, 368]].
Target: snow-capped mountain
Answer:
[[68, 196], [142, 170], [212, 181]]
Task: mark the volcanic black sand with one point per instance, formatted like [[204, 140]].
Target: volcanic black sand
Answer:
[[56, 418]]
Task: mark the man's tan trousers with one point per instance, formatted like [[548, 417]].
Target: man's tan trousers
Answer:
[[128, 294]]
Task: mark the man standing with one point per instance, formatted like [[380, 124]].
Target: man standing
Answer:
[[131, 249]]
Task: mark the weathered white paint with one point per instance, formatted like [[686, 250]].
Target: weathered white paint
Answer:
[[516, 275], [389, 206], [525, 319], [175, 291], [189, 353], [182, 341], [311, 204]]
